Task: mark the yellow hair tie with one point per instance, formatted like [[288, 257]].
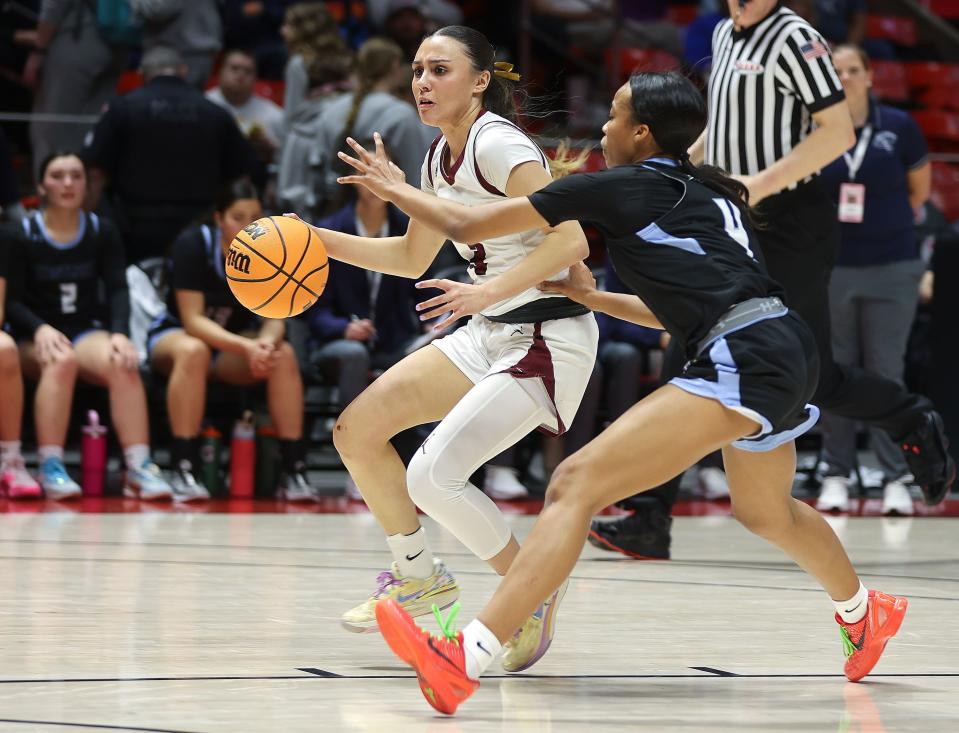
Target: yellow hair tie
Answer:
[[504, 70]]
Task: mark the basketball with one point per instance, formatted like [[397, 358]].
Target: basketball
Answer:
[[277, 267]]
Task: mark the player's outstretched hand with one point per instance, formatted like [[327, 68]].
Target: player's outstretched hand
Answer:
[[457, 300], [578, 286], [374, 170]]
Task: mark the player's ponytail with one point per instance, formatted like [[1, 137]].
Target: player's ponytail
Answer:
[[675, 113], [503, 92]]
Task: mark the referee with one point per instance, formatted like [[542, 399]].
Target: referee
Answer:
[[777, 115]]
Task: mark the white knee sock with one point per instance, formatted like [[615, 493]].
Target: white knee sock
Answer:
[[412, 554], [480, 648], [854, 609]]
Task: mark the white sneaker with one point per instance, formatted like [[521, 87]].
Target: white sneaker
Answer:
[[834, 496], [712, 482], [147, 482], [896, 499], [502, 483]]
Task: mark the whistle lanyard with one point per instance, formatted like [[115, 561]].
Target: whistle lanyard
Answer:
[[854, 161]]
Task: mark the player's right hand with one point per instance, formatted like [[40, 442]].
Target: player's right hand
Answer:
[[578, 285], [50, 344]]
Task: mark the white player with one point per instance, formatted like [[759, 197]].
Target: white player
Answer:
[[522, 363]]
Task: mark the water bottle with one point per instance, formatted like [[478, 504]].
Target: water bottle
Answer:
[[267, 448], [93, 455], [210, 445], [242, 457]]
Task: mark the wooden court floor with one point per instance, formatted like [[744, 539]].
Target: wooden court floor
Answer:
[[216, 623]]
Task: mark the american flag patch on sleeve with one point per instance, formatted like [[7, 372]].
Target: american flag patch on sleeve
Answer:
[[813, 50]]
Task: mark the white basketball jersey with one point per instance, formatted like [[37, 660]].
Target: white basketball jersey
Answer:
[[495, 146]]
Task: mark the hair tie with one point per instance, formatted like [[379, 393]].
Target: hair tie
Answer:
[[684, 158], [504, 70]]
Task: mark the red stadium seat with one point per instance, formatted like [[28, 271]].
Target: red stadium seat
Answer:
[[943, 8], [272, 90], [639, 59], [934, 84], [901, 31], [938, 125], [945, 189], [890, 81], [682, 15], [129, 80]]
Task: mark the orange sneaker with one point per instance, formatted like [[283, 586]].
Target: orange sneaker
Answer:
[[864, 640], [438, 661]]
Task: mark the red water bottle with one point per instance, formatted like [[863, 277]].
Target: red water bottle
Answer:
[[243, 457], [93, 455]]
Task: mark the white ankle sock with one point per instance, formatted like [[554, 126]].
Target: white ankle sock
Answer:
[[854, 609], [136, 455], [50, 451], [412, 554], [480, 648], [9, 449]]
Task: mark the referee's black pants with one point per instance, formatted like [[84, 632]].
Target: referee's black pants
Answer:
[[799, 235]]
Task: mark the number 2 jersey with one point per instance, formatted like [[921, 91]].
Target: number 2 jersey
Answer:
[[74, 286], [678, 244], [494, 147]]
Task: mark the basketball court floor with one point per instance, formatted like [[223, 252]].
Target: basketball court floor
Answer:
[[196, 622]]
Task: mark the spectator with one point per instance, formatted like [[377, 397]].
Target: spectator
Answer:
[[259, 119], [10, 208], [319, 59], [372, 108], [74, 71], [879, 184], [62, 265], [207, 333], [161, 152], [192, 27], [299, 184], [15, 481], [255, 25], [351, 17], [407, 22], [363, 320]]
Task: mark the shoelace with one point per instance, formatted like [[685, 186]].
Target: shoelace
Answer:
[[446, 625], [17, 466], [848, 647], [385, 581], [57, 472]]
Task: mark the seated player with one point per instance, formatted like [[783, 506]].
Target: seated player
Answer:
[[61, 262], [207, 333]]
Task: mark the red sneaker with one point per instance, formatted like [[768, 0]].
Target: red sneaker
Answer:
[[438, 661], [16, 482], [864, 641]]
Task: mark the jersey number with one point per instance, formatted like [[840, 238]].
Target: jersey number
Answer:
[[68, 297], [733, 221], [479, 259]]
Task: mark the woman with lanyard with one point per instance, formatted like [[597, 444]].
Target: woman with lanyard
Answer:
[[878, 183]]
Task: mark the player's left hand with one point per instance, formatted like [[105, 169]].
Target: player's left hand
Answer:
[[375, 170], [123, 352], [263, 357], [578, 286], [457, 300]]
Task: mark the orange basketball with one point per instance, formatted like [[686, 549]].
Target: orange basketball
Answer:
[[277, 267]]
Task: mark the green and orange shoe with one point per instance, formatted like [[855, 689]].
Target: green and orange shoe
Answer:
[[439, 661], [863, 642]]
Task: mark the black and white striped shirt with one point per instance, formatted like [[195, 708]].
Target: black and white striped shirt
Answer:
[[766, 82]]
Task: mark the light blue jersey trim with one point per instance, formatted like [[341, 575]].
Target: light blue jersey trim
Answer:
[[654, 235]]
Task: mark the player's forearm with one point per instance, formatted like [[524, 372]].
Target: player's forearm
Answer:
[[559, 249], [273, 329], [622, 306], [389, 255], [822, 147], [214, 335]]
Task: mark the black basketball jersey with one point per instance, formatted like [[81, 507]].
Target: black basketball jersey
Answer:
[[197, 264], [679, 245], [74, 286]]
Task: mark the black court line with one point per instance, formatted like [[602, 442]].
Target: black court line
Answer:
[[306, 566], [94, 726], [611, 558], [706, 673]]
